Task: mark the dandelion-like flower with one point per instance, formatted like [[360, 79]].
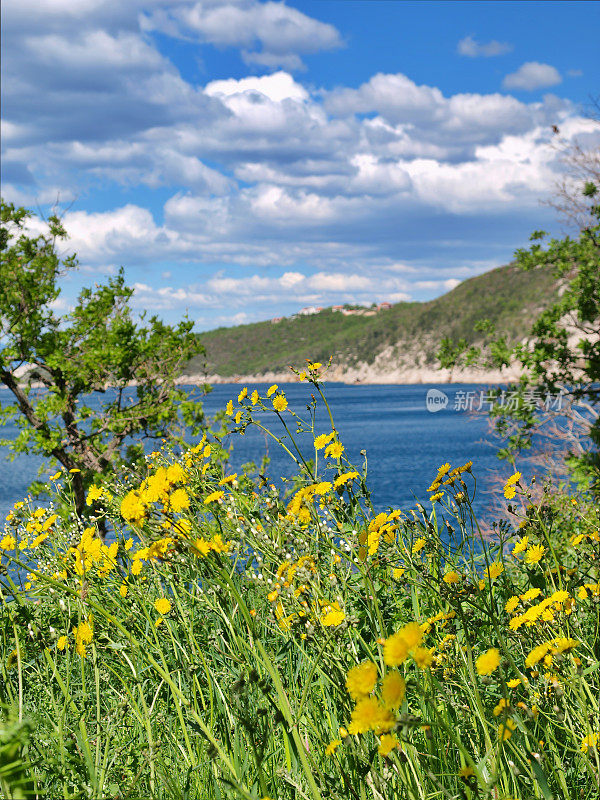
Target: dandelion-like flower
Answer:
[[162, 605], [361, 679], [488, 662], [534, 554]]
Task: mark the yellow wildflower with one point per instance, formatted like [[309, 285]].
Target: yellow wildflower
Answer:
[[387, 743], [332, 747], [162, 605], [505, 729], [534, 554], [451, 577], [488, 662], [361, 679], [242, 394], [393, 689], [213, 497], [280, 402], [229, 408], [323, 439], [334, 450], [272, 389]]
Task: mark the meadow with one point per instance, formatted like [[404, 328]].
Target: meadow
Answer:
[[206, 635]]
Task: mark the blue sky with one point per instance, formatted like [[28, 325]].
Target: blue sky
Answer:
[[242, 159]]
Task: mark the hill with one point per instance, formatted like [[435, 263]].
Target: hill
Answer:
[[394, 345]]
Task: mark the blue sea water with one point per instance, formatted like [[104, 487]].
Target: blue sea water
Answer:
[[405, 443]]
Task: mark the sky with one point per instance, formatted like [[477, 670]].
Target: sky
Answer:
[[243, 159]]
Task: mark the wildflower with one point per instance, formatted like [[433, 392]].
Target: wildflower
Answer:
[[133, 508], [229, 408], [397, 573], [280, 402], [531, 594], [451, 577], [412, 634], [466, 772], [242, 394], [423, 657], [162, 605], [418, 545], [343, 479], [334, 450], [228, 479], [361, 679], [437, 496], [387, 743], [512, 684], [254, 397], [509, 486], [505, 729], [494, 570], [62, 643], [393, 689], [56, 475], [511, 604], [488, 662], [589, 741], [332, 747], [502, 704], [314, 366], [536, 654], [95, 493], [8, 542], [534, 554], [84, 633], [123, 590], [520, 546], [272, 389], [179, 501], [213, 497], [332, 615], [322, 488], [323, 439], [369, 715]]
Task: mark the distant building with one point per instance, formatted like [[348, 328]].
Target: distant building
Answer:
[[276, 319], [383, 306], [337, 308], [308, 310]]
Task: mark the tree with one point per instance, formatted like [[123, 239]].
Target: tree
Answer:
[[97, 347], [561, 355]]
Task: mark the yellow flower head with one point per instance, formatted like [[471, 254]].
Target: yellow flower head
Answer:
[[280, 402], [213, 497], [229, 408], [162, 605], [387, 743], [361, 679], [370, 715], [488, 662], [534, 554], [272, 389], [242, 394], [393, 689], [334, 450], [451, 577]]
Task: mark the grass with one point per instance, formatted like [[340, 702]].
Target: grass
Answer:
[[507, 296], [234, 643]]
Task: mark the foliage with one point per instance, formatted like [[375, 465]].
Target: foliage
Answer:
[[561, 354], [96, 347], [235, 643], [506, 295]]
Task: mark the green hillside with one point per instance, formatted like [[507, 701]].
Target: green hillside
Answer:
[[507, 295]]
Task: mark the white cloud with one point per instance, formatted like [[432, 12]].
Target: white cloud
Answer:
[[532, 75], [470, 47], [271, 34]]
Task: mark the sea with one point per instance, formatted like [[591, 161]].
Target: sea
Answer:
[[403, 432]]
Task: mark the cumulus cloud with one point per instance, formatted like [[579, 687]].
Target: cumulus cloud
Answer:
[[470, 47], [532, 75], [313, 193], [270, 34]]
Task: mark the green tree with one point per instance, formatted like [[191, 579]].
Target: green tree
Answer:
[[97, 347], [561, 355]]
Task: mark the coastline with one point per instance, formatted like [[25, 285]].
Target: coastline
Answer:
[[370, 374]]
